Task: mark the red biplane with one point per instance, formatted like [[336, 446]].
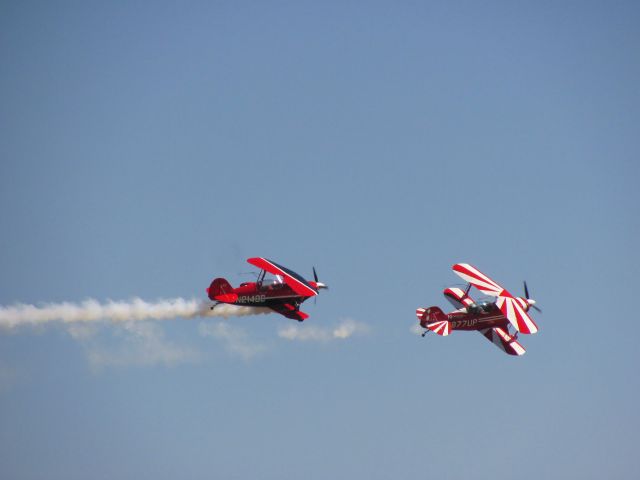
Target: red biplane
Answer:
[[283, 294], [492, 318]]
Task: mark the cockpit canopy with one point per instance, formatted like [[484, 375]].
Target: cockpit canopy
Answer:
[[267, 281], [270, 281], [481, 306]]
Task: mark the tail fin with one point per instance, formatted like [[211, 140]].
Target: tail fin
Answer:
[[434, 314], [435, 320], [221, 291]]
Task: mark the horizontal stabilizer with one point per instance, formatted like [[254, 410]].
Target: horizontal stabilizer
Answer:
[[441, 328]]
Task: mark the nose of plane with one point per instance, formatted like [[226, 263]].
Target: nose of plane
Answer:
[[531, 303]]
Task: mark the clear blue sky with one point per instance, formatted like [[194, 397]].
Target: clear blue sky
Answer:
[[147, 147]]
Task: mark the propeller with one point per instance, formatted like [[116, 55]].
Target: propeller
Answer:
[[530, 301], [319, 285]]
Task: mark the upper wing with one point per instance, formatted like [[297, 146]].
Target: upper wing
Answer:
[[511, 307], [479, 280], [291, 278]]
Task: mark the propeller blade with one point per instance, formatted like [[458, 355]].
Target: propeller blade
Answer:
[[319, 285], [315, 277], [526, 295]]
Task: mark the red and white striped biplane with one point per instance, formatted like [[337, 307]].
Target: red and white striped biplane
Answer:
[[492, 318], [284, 293]]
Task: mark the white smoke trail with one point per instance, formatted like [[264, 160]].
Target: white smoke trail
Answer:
[[345, 329], [236, 340], [136, 309]]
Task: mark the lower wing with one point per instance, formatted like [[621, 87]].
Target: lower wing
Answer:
[[505, 342], [289, 311]]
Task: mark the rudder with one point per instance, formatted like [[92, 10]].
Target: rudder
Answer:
[[436, 320], [222, 291]]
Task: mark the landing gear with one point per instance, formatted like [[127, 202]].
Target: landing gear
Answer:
[[424, 333], [214, 305]]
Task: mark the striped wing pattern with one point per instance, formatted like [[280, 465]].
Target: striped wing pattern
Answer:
[[505, 342], [457, 297], [479, 280], [441, 328], [514, 310]]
